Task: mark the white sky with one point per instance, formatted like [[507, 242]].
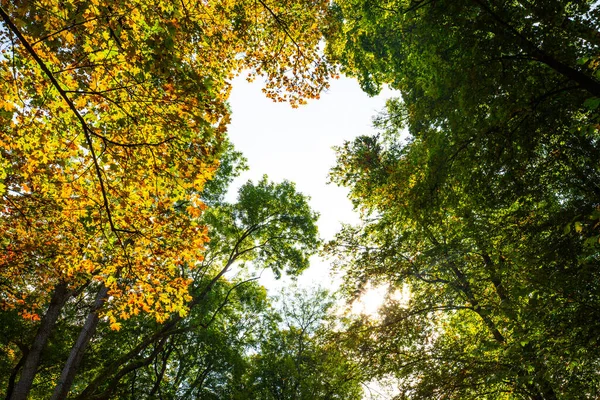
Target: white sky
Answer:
[[296, 144]]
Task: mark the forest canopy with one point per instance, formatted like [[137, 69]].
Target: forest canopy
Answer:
[[478, 191], [479, 195]]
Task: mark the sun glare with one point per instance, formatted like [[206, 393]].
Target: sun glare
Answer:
[[374, 297]]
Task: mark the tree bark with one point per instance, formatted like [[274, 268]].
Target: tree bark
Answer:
[[13, 376], [59, 298], [70, 369]]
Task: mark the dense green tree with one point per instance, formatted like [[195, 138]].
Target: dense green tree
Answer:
[[298, 357], [487, 212], [202, 356]]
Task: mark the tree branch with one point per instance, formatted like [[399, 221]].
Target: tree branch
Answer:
[[87, 131]]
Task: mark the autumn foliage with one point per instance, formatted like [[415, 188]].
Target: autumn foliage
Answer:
[[111, 121]]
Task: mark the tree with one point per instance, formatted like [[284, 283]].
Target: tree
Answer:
[[487, 212], [112, 120], [298, 357], [270, 226], [136, 105], [202, 357]]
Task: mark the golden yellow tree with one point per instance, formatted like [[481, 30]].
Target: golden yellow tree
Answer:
[[112, 118]]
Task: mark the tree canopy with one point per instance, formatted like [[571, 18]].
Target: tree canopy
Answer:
[[478, 195], [113, 118], [125, 272]]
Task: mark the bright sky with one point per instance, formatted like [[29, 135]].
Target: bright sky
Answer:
[[296, 144]]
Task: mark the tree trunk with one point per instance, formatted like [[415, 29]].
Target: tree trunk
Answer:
[[59, 298], [70, 369], [13, 376]]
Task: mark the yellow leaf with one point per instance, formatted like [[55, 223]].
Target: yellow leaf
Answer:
[[115, 326]]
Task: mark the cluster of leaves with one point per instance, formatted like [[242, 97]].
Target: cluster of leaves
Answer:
[[112, 122], [218, 349], [299, 356], [112, 117], [479, 195]]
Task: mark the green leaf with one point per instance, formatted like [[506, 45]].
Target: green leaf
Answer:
[[592, 103]]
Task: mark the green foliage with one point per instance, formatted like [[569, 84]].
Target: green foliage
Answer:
[[204, 354], [113, 117], [231, 165], [488, 211], [270, 225], [202, 358], [298, 357]]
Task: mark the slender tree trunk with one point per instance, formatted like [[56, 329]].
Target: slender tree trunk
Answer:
[[140, 363], [199, 381], [59, 298], [13, 376], [160, 374], [70, 369], [113, 368]]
